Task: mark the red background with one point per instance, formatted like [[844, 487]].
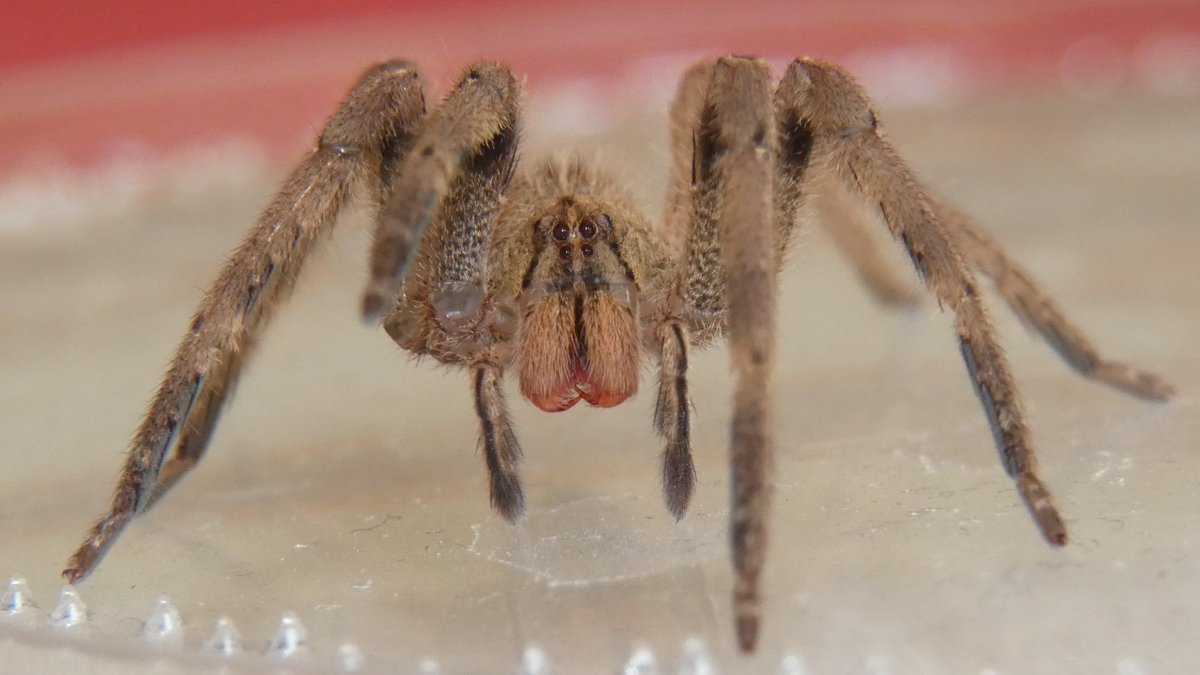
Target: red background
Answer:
[[75, 78]]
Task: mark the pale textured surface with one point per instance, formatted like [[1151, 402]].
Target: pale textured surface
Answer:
[[344, 484]]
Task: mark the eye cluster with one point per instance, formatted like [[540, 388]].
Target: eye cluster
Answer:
[[579, 236]]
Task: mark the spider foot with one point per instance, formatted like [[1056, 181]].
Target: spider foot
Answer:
[[1133, 381], [507, 497], [747, 632], [679, 477], [1037, 498], [92, 550]]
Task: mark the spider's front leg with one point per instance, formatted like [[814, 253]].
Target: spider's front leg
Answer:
[[742, 151], [427, 263], [472, 136], [741, 197], [376, 120]]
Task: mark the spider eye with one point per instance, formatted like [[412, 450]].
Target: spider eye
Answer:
[[588, 229], [564, 252], [561, 232], [586, 249]]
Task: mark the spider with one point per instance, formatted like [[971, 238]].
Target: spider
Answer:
[[552, 272]]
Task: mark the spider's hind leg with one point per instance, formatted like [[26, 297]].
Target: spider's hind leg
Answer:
[[847, 140], [1038, 311], [846, 222]]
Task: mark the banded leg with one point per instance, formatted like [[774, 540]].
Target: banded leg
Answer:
[[743, 153], [501, 450], [383, 108], [726, 283], [1037, 310], [847, 141]]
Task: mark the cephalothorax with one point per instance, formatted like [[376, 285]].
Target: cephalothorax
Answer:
[[552, 273]]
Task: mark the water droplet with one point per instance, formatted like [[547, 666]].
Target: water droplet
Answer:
[[225, 640], [641, 662], [70, 612], [18, 598], [792, 665], [291, 638], [696, 660], [534, 662], [164, 625], [350, 657]]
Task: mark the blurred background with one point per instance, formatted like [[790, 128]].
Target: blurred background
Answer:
[[140, 139], [86, 83]]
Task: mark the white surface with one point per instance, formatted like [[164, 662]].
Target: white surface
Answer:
[[344, 485]]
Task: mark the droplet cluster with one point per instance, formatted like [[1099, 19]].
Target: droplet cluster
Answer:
[[164, 628]]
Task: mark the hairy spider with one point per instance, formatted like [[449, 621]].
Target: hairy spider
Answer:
[[553, 273]]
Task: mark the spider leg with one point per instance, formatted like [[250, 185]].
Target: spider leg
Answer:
[[847, 227], [698, 293], [500, 448], [840, 217], [672, 416], [439, 213], [477, 119], [682, 179], [745, 148], [1037, 310], [379, 113], [727, 283], [848, 142]]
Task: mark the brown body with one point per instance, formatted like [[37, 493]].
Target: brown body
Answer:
[[552, 274]]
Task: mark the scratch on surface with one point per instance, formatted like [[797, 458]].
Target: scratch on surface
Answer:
[[1107, 462], [540, 575], [598, 540], [387, 519]]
